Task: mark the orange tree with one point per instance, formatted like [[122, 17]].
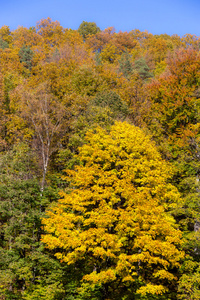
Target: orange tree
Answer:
[[114, 221], [174, 122]]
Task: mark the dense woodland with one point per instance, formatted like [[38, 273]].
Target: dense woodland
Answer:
[[100, 164]]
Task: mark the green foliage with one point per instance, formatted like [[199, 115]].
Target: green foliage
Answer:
[[26, 270], [113, 101], [11, 80], [125, 65], [141, 67], [26, 56], [95, 115], [174, 122], [86, 81], [54, 88], [97, 58], [87, 28], [3, 44], [189, 283]]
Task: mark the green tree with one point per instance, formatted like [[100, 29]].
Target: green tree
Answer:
[[86, 81], [87, 28], [141, 67], [113, 221], [26, 56], [125, 65], [189, 283], [113, 101], [3, 44], [97, 58], [25, 268]]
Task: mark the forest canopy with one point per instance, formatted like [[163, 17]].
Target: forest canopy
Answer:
[[120, 112]]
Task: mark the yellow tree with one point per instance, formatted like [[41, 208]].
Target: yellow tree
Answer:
[[114, 220], [5, 34], [26, 36], [51, 31]]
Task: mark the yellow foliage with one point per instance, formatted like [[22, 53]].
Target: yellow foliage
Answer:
[[110, 53], [151, 289], [114, 218]]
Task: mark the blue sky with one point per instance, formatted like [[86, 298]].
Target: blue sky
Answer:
[[156, 16]]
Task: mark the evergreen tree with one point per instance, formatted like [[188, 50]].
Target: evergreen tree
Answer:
[[3, 44], [113, 101], [125, 65], [141, 67], [97, 58], [26, 55], [26, 270]]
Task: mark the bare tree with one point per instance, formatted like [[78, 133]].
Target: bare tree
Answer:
[[46, 116]]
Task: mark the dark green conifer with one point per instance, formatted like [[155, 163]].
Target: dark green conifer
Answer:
[[3, 44], [26, 55], [125, 65], [141, 67]]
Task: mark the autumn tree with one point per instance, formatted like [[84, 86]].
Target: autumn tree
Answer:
[[51, 33], [5, 34], [98, 41], [158, 48], [26, 36], [44, 116], [113, 221], [55, 85], [133, 91], [190, 40], [110, 53], [86, 81], [174, 98], [124, 41], [174, 123]]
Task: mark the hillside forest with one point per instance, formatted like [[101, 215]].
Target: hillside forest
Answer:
[[99, 164]]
